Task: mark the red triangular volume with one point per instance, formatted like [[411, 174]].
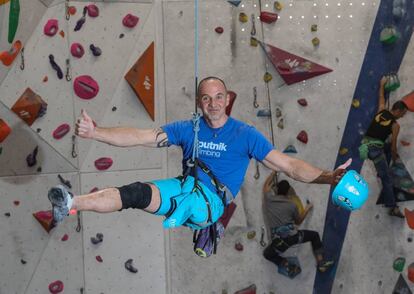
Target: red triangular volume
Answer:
[[249, 290], [45, 218], [291, 67], [141, 79]]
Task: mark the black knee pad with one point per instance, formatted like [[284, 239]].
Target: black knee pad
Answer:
[[135, 195]]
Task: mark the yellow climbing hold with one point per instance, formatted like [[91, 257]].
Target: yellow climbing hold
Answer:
[[253, 42], [315, 41], [278, 6], [343, 150], [267, 77], [314, 28], [243, 17], [251, 235], [356, 103]]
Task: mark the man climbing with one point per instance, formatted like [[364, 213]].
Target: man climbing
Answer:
[[282, 217], [375, 147], [225, 146]]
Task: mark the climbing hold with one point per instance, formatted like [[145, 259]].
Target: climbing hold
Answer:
[[98, 239], [238, 246], [398, 264], [14, 14], [51, 27], [277, 6], [94, 189], [72, 10], [316, 41], [356, 103], [16, 202], [278, 112], [249, 290], [233, 97], [64, 182], [234, 2], [31, 159], [303, 137], [114, 108], [128, 265], [267, 77], [45, 218], [410, 274], [82, 20], [253, 42], [99, 258], [39, 169], [264, 113], [61, 131], [29, 106], [45, 79], [343, 150], [409, 216], [409, 239], [401, 287], [130, 20], [290, 149], [62, 33], [76, 49], [303, 102], [7, 57], [121, 36], [314, 28], [403, 142], [409, 101], [55, 66], [85, 87], [64, 238], [268, 17], [5, 130], [22, 261], [251, 235], [281, 124], [93, 10], [56, 287], [243, 17], [96, 51], [103, 163], [219, 30], [393, 82], [7, 214], [389, 35]]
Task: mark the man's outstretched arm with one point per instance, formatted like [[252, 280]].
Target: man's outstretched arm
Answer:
[[120, 136], [302, 171]]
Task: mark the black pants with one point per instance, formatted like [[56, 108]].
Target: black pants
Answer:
[[279, 245]]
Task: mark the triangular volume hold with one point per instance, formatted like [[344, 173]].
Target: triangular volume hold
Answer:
[[401, 286], [45, 218], [141, 79], [234, 2], [293, 68]]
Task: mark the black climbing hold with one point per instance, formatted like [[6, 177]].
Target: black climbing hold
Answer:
[[121, 36], [377, 216], [114, 108], [39, 169], [23, 261], [31, 158], [55, 66], [96, 51], [98, 239], [38, 130], [82, 20], [65, 182], [7, 214], [409, 239], [380, 283], [130, 267]]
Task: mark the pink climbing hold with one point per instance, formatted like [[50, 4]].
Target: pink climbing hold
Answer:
[[56, 287], [238, 246], [85, 87], [303, 137], [103, 163], [93, 10], [51, 27], [61, 131], [65, 237], [94, 190], [99, 258], [219, 30], [303, 102], [130, 20], [77, 50], [268, 17]]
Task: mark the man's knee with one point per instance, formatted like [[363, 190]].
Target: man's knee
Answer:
[[135, 195]]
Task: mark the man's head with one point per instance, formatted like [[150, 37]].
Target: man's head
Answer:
[[283, 187], [212, 98], [399, 109]]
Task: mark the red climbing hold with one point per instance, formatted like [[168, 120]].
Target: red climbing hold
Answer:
[[130, 20], [103, 163], [219, 30], [409, 101], [405, 143], [409, 216], [72, 10], [303, 137], [410, 271], [238, 246], [303, 102], [233, 97], [16, 202], [5, 130], [85, 87], [249, 290], [93, 10], [99, 258], [65, 237], [45, 218], [56, 287], [61, 131], [51, 27], [268, 17], [94, 190]]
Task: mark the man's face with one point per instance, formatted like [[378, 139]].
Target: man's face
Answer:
[[213, 99]]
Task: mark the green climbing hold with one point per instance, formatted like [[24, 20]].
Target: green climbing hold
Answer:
[[399, 264], [13, 19], [389, 35], [393, 83]]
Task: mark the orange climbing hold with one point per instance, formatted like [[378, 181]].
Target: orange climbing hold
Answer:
[[409, 216], [4, 130], [7, 57], [62, 34], [409, 101], [29, 106], [45, 218]]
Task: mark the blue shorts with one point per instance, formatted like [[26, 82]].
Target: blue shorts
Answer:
[[186, 205]]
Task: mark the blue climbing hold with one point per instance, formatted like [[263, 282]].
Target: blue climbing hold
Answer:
[[290, 149], [235, 2]]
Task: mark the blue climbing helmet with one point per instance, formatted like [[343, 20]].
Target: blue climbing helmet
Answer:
[[351, 192]]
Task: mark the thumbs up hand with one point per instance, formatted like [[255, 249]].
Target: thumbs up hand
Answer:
[[85, 127]]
